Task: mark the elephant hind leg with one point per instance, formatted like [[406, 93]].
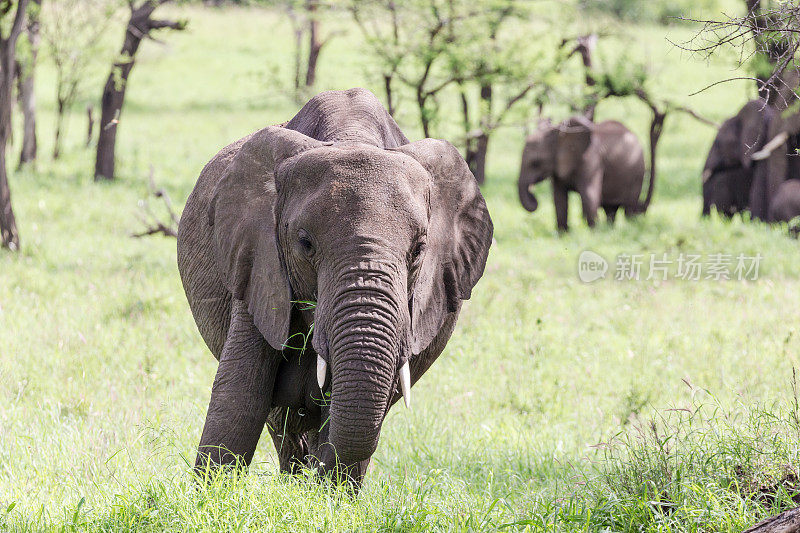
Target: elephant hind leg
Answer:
[[633, 211], [611, 212]]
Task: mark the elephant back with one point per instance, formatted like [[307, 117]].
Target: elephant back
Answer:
[[351, 116], [623, 163]]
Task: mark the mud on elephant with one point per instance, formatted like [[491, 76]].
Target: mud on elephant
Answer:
[[603, 163], [337, 207]]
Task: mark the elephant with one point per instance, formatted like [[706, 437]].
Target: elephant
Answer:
[[731, 164], [786, 204], [778, 163], [325, 262], [602, 162]]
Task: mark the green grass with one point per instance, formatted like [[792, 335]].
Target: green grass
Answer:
[[537, 415]]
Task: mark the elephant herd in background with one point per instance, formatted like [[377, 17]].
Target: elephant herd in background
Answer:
[[753, 164]]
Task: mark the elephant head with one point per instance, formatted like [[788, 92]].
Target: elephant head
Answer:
[[734, 158], [387, 240], [552, 150]]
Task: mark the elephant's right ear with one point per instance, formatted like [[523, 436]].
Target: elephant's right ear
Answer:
[[242, 213]]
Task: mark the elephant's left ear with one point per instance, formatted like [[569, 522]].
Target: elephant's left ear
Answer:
[[458, 239]]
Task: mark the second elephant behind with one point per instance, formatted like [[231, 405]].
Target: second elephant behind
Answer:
[[602, 162]]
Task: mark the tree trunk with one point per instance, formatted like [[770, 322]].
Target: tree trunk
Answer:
[[586, 45], [111, 104], [59, 126], [8, 223], [786, 522], [9, 235], [90, 124], [424, 119], [483, 139], [139, 26], [772, 47], [477, 160], [27, 101], [656, 128], [297, 28], [314, 43], [387, 85], [27, 96]]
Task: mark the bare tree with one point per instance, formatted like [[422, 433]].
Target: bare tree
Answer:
[[625, 79], [9, 235], [26, 69], [766, 37], [585, 47], [140, 25], [413, 48], [503, 76], [72, 33], [384, 45], [153, 223], [315, 42], [304, 16], [432, 46]]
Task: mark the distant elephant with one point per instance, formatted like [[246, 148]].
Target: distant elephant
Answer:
[[779, 162], [786, 204], [730, 167], [603, 162], [325, 263]]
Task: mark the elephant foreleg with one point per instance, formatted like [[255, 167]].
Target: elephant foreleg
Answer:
[[561, 203], [240, 397]]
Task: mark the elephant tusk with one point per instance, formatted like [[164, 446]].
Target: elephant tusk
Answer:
[[405, 384], [765, 152], [322, 370], [707, 173]]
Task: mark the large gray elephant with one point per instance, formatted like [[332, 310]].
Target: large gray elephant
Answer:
[[730, 167], [325, 263], [603, 162]]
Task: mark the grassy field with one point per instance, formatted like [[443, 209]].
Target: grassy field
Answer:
[[558, 405]]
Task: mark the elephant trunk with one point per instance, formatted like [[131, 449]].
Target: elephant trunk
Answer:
[[527, 178], [526, 196], [364, 332]]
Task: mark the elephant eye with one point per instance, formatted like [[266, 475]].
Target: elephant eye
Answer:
[[416, 251], [304, 240]]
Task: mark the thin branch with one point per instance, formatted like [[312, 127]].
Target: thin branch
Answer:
[[153, 224]]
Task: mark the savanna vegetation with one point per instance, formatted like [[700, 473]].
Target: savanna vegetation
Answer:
[[649, 405]]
